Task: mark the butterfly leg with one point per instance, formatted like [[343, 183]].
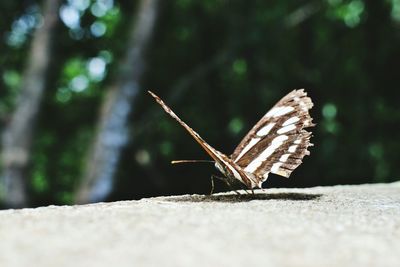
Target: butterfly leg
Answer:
[[212, 184], [249, 193], [231, 187], [224, 180]]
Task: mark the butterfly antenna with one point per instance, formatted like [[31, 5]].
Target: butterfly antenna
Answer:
[[190, 161]]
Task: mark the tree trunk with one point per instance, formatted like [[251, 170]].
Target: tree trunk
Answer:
[[17, 136], [104, 154]]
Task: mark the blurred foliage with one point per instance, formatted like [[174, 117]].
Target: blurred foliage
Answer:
[[221, 65]]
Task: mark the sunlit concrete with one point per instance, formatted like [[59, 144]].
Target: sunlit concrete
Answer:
[[322, 226]]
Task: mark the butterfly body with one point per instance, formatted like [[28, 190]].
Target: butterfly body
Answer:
[[233, 173], [276, 144]]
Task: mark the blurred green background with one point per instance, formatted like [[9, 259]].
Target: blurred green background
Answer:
[[220, 64]]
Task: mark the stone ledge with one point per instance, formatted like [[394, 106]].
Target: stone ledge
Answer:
[[321, 226]]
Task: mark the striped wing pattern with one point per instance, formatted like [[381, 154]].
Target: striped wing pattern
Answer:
[[276, 144], [279, 141]]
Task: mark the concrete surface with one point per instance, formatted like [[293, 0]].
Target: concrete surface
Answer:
[[322, 226]]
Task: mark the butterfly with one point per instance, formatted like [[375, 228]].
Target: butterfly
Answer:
[[276, 144]]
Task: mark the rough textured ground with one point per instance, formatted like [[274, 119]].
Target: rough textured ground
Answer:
[[322, 226]]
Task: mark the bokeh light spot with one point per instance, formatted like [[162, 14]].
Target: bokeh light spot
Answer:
[[329, 111], [239, 66], [63, 95], [11, 78], [376, 151], [235, 125], [79, 83], [70, 16], [81, 5], [98, 29], [142, 157], [96, 68], [101, 7], [39, 183]]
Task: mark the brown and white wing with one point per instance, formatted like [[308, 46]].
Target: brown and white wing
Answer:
[[220, 159], [279, 141]]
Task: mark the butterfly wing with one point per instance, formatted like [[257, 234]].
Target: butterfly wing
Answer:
[[223, 163], [279, 141]]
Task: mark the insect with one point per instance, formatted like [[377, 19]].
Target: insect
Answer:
[[276, 144]]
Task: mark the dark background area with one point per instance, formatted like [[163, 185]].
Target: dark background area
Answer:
[[221, 65]]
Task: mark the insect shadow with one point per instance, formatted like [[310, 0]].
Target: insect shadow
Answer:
[[247, 197]]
